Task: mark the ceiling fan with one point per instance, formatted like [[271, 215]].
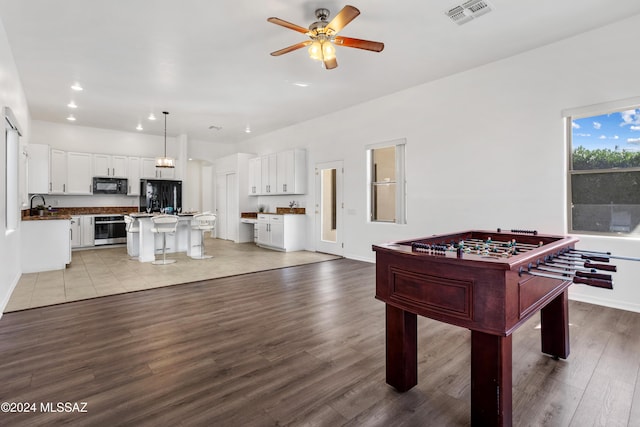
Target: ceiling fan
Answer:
[[323, 35]]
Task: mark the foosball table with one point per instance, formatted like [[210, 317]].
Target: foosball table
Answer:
[[490, 282]]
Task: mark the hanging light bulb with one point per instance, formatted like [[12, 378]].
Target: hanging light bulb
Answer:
[[315, 51], [328, 50]]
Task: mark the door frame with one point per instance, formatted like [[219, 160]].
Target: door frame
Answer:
[[321, 245]]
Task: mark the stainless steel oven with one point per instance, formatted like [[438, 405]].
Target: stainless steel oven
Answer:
[[110, 229]]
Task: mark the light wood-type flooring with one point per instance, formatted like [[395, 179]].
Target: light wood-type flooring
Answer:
[[109, 270], [300, 346]]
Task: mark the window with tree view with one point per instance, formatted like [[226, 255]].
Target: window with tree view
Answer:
[[604, 173]]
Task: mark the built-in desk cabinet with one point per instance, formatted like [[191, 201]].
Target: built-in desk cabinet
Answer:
[[281, 232]]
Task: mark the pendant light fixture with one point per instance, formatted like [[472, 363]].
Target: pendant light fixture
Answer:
[[165, 162]]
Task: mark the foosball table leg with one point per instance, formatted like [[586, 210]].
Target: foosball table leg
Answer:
[[491, 379], [402, 348], [554, 326]]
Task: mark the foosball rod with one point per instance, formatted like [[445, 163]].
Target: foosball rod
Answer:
[[581, 272], [605, 254], [598, 283], [566, 266], [521, 246], [605, 267]]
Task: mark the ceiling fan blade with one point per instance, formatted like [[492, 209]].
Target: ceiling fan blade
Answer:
[[289, 25], [330, 64], [291, 48], [359, 44], [346, 15]]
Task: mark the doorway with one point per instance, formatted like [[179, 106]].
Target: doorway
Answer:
[[227, 210], [329, 206]]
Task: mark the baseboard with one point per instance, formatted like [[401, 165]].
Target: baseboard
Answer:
[[606, 302], [7, 297], [359, 258]]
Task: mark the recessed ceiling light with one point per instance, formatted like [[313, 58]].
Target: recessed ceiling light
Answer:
[[139, 127], [77, 87], [301, 84], [152, 116], [247, 129], [72, 105], [71, 118]]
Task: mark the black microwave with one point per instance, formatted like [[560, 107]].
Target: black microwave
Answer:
[[109, 185]]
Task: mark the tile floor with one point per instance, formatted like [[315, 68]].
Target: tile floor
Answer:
[[107, 271]]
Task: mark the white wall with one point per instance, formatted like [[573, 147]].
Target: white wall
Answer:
[[485, 148], [11, 95]]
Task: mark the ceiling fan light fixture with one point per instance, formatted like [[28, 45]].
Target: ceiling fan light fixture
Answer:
[[328, 50], [315, 50], [165, 162]]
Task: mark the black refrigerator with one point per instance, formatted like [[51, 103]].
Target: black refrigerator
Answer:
[[157, 194]]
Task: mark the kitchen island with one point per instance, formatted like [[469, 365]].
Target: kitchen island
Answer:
[[46, 242], [145, 244]]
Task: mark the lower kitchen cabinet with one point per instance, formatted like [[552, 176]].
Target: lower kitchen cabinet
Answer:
[[88, 230], [82, 231], [281, 232], [76, 232]]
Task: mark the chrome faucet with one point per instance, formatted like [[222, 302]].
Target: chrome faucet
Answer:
[[33, 197]]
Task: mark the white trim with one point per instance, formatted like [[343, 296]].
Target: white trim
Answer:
[[602, 108], [393, 142], [620, 305]]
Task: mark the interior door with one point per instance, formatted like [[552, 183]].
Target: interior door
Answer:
[[221, 206], [328, 207]]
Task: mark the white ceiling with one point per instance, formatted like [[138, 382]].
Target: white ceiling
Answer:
[[208, 63]]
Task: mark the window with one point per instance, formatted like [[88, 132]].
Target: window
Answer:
[[386, 195], [604, 172]]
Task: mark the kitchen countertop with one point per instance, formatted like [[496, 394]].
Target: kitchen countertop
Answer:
[[46, 217]]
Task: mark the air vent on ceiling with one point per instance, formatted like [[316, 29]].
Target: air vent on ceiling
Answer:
[[468, 10]]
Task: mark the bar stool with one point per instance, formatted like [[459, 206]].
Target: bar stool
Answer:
[[203, 222], [164, 224], [132, 225]]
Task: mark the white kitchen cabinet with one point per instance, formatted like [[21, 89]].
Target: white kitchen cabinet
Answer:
[[38, 168], [79, 174], [292, 172], [76, 232], [57, 172], [45, 245], [255, 176], [133, 176], [88, 231], [281, 232], [110, 166], [269, 173], [150, 171]]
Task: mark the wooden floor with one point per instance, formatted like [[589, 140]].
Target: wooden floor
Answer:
[[296, 346]]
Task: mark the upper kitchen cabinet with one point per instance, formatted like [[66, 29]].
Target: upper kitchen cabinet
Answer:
[[133, 176], [58, 172], [292, 172], [277, 174], [149, 170], [269, 174], [111, 166], [38, 168], [79, 174], [255, 176]]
